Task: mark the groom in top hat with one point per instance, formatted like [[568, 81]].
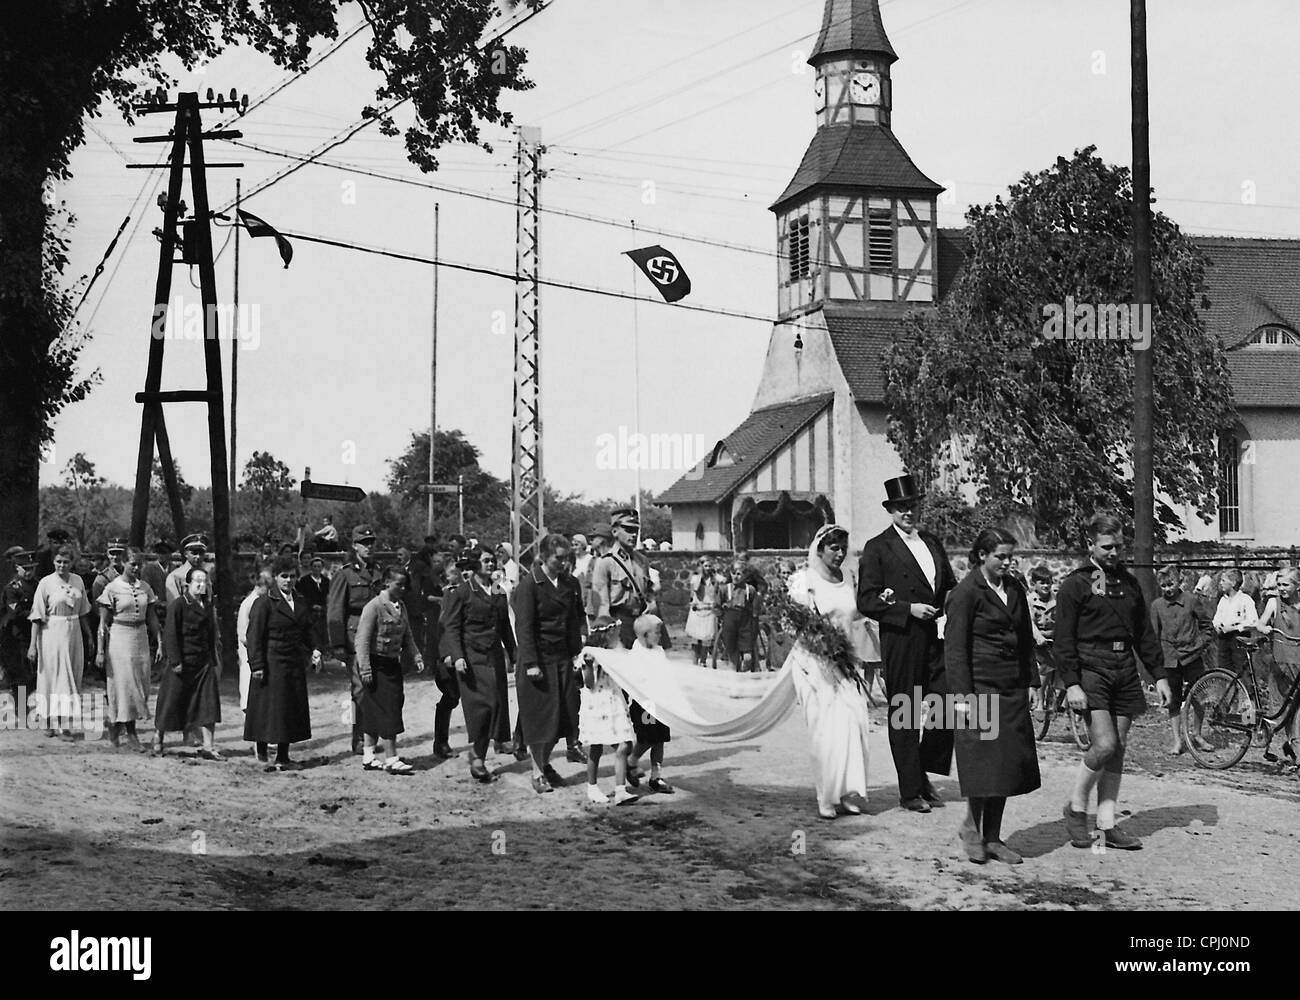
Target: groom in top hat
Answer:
[[903, 579]]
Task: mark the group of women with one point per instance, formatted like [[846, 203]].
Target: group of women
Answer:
[[988, 652]]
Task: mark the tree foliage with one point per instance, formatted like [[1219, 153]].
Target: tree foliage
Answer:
[[974, 388]]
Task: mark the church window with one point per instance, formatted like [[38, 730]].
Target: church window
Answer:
[[880, 239], [1229, 485], [799, 248], [1275, 336]]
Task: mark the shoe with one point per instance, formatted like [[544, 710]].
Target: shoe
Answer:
[[398, 766], [541, 785], [521, 753], [374, 764], [444, 751], [263, 756], [854, 803], [67, 738], [826, 814], [1076, 827], [1200, 744], [973, 844], [634, 776], [596, 796], [999, 851], [1121, 840], [660, 786], [157, 750], [932, 796], [479, 772], [622, 797], [133, 742], [504, 749], [576, 755], [916, 805], [553, 776]]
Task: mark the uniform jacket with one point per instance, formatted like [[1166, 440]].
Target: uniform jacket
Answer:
[[102, 580], [887, 564], [984, 633], [351, 588], [620, 580], [548, 618], [474, 623], [384, 629], [15, 606], [1093, 606]]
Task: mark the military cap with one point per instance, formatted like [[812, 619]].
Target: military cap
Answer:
[[362, 533], [601, 531], [24, 557], [624, 517], [14, 551], [58, 535], [117, 545], [195, 541]]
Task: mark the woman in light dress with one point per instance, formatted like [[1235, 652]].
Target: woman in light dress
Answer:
[[128, 625], [702, 621], [60, 637], [834, 696]]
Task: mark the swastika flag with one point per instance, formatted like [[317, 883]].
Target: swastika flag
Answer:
[[665, 270]]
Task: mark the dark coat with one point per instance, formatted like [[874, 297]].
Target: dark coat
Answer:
[[988, 645], [887, 563], [279, 644], [476, 628], [548, 619]]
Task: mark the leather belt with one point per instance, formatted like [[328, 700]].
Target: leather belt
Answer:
[[1117, 646]]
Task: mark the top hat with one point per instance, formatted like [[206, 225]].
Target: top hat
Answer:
[[902, 489], [362, 533]]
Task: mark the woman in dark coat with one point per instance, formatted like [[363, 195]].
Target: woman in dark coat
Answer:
[[280, 646], [187, 694], [478, 638], [989, 653], [548, 629]]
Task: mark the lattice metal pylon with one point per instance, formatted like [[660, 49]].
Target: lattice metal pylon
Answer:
[[526, 505]]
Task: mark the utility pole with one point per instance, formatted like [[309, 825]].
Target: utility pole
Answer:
[[234, 351], [433, 372], [196, 250], [1143, 366], [527, 516]]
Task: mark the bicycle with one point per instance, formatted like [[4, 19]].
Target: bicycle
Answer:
[[1051, 703], [762, 648], [1222, 718]]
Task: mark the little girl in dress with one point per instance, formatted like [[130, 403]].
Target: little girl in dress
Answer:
[[603, 721]]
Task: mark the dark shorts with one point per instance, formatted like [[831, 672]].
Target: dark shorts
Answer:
[[1181, 678], [1111, 682]]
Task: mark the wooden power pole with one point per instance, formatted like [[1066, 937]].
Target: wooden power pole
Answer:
[[196, 245], [1143, 366]]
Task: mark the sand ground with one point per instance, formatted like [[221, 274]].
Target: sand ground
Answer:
[[84, 826]]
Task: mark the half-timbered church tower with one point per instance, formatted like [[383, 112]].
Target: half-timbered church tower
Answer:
[[859, 249]]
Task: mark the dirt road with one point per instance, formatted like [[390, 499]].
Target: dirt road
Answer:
[[84, 826]]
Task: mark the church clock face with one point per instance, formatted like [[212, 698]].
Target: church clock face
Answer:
[[819, 93], [864, 88]]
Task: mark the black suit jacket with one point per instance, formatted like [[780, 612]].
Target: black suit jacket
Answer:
[[887, 564], [984, 637]]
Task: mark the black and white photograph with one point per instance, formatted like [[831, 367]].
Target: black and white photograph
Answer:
[[612, 456]]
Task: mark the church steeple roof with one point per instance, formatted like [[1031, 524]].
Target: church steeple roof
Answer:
[[852, 26]]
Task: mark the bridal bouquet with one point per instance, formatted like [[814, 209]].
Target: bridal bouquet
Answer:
[[817, 633]]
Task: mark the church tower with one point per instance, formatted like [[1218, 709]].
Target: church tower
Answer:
[[856, 224]]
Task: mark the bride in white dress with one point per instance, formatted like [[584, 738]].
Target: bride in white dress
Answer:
[[834, 696]]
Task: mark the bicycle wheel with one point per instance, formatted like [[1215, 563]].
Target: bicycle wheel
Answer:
[[1043, 711], [762, 649], [1079, 727], [718, 652], [1219, 719]]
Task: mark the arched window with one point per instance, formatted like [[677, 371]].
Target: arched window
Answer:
[[1274, 336], [1229, 484]]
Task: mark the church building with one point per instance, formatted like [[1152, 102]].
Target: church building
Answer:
[[859, 250]]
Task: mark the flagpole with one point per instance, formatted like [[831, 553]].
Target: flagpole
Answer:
[[433, 370], [636, 384], [234, 351]]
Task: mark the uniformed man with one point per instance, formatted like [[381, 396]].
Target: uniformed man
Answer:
[[116, 551], [354, 585], [1102, 629], [15, 630], [195, 548]]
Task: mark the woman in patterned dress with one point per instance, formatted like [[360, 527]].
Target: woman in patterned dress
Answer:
[[128, 626], [60, 636]]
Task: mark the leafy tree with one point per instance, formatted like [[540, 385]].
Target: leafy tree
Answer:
[[79, 504], [61, 59], [487, 499], [975, 386], [265, 493]]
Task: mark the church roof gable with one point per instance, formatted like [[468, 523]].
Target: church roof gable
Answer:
[[856, 156], [852, 26]]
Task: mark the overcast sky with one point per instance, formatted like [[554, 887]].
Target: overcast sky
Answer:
[[711, 102]]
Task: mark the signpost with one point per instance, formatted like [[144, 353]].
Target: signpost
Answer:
[[458, 488], [330, 491]]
